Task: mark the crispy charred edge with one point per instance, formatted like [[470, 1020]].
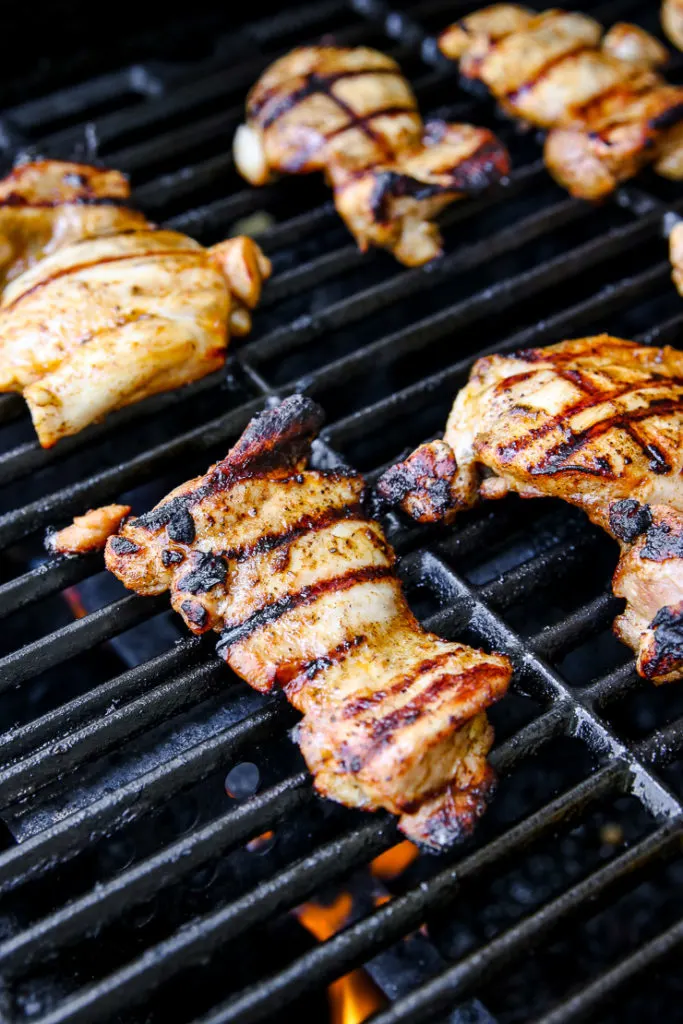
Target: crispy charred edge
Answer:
[[233, 635], [276, 439], [422, 485], [486, 167], [480, 680], [460, 811], [84, 184], [661, 656], [629, 520]]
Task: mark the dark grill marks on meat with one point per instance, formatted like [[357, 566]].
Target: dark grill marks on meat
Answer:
[[122, 546], [301, 587], [607, 115], [241, 631], [590, 421]]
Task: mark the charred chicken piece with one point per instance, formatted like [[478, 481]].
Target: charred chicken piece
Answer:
[[608, 110], [351, 114], [107, 321], [672, 21], [650, 577], [88, 532], [283, 562], [50, 203], [597, 422]]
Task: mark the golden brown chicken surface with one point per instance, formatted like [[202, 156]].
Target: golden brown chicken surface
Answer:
[[50, 203], [107, 321], [300, 583], [608, 110], [350, 113], [596, 421], [88, 532], [672, 21]]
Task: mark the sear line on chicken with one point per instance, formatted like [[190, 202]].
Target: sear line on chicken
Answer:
[[105, 321], [284, 563], [672, 21], [350, 113], [608, 111], [50, 203], [597, 422]]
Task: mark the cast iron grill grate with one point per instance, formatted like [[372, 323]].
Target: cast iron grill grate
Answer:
[[127, 887]]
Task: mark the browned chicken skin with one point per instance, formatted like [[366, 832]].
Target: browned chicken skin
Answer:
[[609, 112], [351, 114], [284, 563], [109, 312], [50, 203], [672, 21], [597, 422], [88, 532]]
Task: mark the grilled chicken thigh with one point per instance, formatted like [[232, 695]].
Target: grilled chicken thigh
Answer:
[[351, 114], [107, 321], [608, 110], [597, 422], [283, 562], [672, 21], [50, 203]]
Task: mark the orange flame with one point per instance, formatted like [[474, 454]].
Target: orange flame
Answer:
[[355, 996], [393, 862], [73, 599]]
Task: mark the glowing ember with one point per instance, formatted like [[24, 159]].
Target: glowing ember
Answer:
[[355, 996], [262, 843], [73, 599], [393, 862]]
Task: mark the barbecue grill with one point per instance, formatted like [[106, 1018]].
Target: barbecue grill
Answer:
[[132, 888]]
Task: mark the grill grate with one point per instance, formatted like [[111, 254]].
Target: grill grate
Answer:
[[524, 267]]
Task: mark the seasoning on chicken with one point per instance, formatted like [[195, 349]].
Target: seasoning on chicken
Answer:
[[597, 422], [50, 203], [672, 21], [351, 114], [107, 321], [609, 112], [285, 564], [88, 532]]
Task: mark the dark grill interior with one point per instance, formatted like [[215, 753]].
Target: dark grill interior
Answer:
[[128, 890]]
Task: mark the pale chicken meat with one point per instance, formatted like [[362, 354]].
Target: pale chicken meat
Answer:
[[676, 254], [50, 203], [597, 422], [88, 532], [607, 109], [107, 321], [285, 564], [672, 21], [350, 113]]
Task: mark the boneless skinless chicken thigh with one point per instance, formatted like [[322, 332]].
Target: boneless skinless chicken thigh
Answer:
[[608, 110], [597, 422], [350, 113], [102, 310], [285, 564], [672, 21]]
